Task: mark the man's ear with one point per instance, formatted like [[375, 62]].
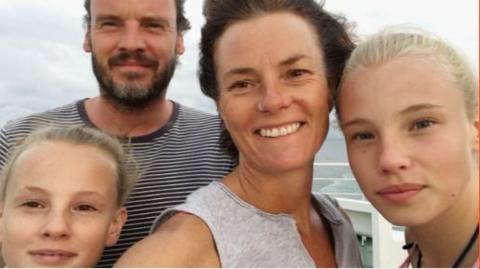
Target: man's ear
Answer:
[[87, 42], [179, 45], [116, 226]]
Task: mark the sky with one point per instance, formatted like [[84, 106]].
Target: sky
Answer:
[[43, 64]]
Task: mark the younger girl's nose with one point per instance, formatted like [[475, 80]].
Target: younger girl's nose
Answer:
[[56, 225]]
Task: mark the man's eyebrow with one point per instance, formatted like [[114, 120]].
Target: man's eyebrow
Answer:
[[103, 17], [156, 18]]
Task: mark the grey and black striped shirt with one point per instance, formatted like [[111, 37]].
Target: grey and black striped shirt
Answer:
[[174, 161]]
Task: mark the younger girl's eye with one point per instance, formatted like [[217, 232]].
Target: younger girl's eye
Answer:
[[32, 204], [85, 207]]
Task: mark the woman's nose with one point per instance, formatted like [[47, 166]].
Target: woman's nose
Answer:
[[273, 98]]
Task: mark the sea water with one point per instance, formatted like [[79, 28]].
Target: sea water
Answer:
[[332, 174]]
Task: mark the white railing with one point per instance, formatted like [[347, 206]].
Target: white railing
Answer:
[[320, 179], [386, 241], [376, 232]]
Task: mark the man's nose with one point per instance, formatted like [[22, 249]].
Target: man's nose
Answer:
[[132, 38]]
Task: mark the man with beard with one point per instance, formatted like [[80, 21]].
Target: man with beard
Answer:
[[134, 46]]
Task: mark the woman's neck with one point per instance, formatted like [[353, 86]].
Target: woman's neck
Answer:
[[442, 240], [287, 192]]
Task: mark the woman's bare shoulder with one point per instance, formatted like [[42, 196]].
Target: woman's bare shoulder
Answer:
[[182, 241]]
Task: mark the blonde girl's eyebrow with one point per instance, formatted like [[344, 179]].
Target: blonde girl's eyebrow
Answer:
[[419, 107], [34, 189], [92, 194], [355, 121]]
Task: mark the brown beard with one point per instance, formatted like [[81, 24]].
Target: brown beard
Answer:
[[132, 96]]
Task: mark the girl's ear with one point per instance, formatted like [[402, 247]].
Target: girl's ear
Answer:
[[116, 226], [475, 136], [1, 222]]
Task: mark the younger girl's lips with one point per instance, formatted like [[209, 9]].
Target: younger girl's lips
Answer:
[[52, 256]]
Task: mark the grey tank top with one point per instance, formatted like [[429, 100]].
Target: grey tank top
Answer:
[[248, 237]]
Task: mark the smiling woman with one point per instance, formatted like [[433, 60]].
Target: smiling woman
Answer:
[[266, 94], [271, 67]]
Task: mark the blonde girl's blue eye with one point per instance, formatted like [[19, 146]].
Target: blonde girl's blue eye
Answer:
[[362, 136], [422, 124]]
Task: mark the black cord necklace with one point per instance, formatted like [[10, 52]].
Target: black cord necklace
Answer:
[[462, 255]]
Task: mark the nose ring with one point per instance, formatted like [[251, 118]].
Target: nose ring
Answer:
[[260, 107]]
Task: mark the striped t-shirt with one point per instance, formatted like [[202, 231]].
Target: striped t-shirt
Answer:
[[173, 161]]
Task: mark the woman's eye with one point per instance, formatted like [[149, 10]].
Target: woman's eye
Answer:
[[295, 73], [241, 84], [422, 124]]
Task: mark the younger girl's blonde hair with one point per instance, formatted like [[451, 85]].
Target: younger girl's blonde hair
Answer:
[[77, 135]]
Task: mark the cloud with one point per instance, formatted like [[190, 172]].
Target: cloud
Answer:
[[12, 112], [455, 21], [42, 62], [44, 66]]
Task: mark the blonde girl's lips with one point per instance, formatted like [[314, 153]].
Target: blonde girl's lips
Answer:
[[400, 193]]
